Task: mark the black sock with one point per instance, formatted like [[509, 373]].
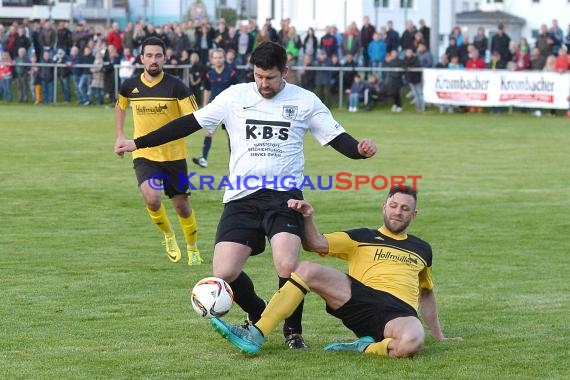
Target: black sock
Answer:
[[245, 297], [292, 324], [206, 147]]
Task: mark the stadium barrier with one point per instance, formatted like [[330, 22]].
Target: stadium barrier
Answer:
[[490, 88]]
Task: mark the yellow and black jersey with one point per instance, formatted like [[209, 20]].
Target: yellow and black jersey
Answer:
[[155, 104], [397, 264]]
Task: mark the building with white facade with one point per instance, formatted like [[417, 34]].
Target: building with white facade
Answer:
[[103, 11], [533, 13], [160, 11], [96, 11]]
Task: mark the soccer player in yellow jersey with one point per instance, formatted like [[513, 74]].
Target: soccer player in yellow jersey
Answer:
[[156, 99], [389, 280]]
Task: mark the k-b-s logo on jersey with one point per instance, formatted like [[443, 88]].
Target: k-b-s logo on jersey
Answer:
[[265, 130]]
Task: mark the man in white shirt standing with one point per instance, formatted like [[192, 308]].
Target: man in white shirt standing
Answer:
[[266, 121]]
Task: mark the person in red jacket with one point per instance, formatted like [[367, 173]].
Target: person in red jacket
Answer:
[[114, 37], [6, 75], [475, 62], [562, 62]]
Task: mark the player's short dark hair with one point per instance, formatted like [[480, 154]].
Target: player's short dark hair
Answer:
[[153, 41], [409, 190], [269, 55]]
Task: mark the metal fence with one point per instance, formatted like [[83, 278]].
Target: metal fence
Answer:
[[186, 71]]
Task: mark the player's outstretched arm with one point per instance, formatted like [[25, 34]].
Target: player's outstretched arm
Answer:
[[428, 311], [351, 148], [174, 130], [313, 240]]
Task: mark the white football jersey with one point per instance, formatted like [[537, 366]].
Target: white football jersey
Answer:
[[266, 135]]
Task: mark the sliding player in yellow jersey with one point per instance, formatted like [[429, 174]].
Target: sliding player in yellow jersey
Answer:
[[389, 280], [156, 99]]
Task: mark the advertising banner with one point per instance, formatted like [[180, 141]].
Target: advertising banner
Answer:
[[490, 88]]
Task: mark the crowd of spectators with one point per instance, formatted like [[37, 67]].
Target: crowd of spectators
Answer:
[[189, 43]]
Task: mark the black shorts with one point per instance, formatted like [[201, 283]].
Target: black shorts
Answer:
[[368, 310], [168, 176], [262, 214]]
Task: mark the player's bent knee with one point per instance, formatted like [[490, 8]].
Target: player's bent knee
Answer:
[[227, 273], [409, 345], [306, 270], [153, 204], [183, 210], [227, 276], [284, 269], [303, 268]]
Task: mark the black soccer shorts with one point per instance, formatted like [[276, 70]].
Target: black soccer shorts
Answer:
[[169, 176], [368, 310], [251, 219]]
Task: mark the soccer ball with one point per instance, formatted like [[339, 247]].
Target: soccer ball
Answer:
[[212, 297]]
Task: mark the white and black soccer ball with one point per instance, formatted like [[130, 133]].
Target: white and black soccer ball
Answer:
[[212, 297]]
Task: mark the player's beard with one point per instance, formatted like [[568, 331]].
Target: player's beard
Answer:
[[267, 95], [154, 70], [396, 226], [270, 92]]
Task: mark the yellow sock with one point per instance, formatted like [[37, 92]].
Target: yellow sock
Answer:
[[160, 219], [190, 228], [282, 304], [379, 348]]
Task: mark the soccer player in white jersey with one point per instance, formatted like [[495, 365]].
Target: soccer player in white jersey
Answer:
[[266, 121]]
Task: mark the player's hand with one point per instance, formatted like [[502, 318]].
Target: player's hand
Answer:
[[366, 148], [122, 146], [119, 143], [302, 207]]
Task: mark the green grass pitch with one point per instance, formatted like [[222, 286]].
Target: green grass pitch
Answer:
[[88, 293]]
